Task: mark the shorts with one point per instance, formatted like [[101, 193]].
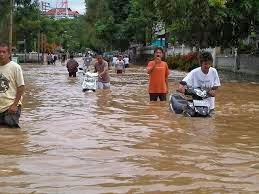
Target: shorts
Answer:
[[72, 74], [119, 71], [11, 119], [86, 68], [101, 85], [155, 96]]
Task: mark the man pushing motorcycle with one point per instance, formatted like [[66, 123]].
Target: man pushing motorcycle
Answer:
[[204, 77]]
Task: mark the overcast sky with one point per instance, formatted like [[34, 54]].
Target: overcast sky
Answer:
[[75, 5]]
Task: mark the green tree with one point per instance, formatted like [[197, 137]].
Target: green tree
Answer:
[[27, 23], [209, 23], [4, 10], [97, 14]]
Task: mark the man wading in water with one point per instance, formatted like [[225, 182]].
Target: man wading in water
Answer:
[[101, 67], [158, 77], [11, 88], [72, 66], [204, 77]]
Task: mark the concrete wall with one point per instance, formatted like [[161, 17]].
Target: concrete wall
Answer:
[[225, 62], [249, 64], [178, 50], [28, 57], [240, 64]]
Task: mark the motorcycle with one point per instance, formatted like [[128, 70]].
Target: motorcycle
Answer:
[[197, 106], [89, 81]]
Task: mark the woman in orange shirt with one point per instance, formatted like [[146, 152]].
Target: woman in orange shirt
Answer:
[[158, 76]]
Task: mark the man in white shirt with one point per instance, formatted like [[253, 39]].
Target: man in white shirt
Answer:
[[114, 59], [204, 77], [11, 88], [87, 62], [120, 65], [126, 61]]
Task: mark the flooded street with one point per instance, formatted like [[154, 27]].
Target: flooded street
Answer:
[[118, 142]]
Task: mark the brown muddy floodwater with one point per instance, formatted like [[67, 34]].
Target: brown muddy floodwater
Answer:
[[118, 142]]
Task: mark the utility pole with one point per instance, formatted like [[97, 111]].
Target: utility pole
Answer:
[[38, 38], [11, 27]]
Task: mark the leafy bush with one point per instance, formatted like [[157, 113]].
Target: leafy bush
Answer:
[[247, 49], [183, 62]]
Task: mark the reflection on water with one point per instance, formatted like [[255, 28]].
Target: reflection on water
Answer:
[[12, 149], [116, 141]]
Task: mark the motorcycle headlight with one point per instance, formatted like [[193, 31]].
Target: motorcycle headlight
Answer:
[[200, 93]]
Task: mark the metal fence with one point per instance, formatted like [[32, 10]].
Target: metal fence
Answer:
[[28, 57]]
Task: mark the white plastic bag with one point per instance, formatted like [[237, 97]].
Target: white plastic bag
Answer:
[[90, 81]]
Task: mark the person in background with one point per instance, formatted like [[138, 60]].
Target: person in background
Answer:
[[55, 58], [101, 67], [72, 66], [87, 61], [119, 65], [158, 77], [63, 58], [204, 77], [11, 88], [126, 61], [49, 59], [114, 59]]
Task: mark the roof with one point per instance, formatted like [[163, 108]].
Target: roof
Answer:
[[61, 11]]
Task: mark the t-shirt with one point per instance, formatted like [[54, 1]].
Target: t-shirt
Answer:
[[114, 59], [11, 77], [120, 65], [49, 57], [158, 77], [72, 65], [87, 60], [197, 79], [126, 60], [100, 68]]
